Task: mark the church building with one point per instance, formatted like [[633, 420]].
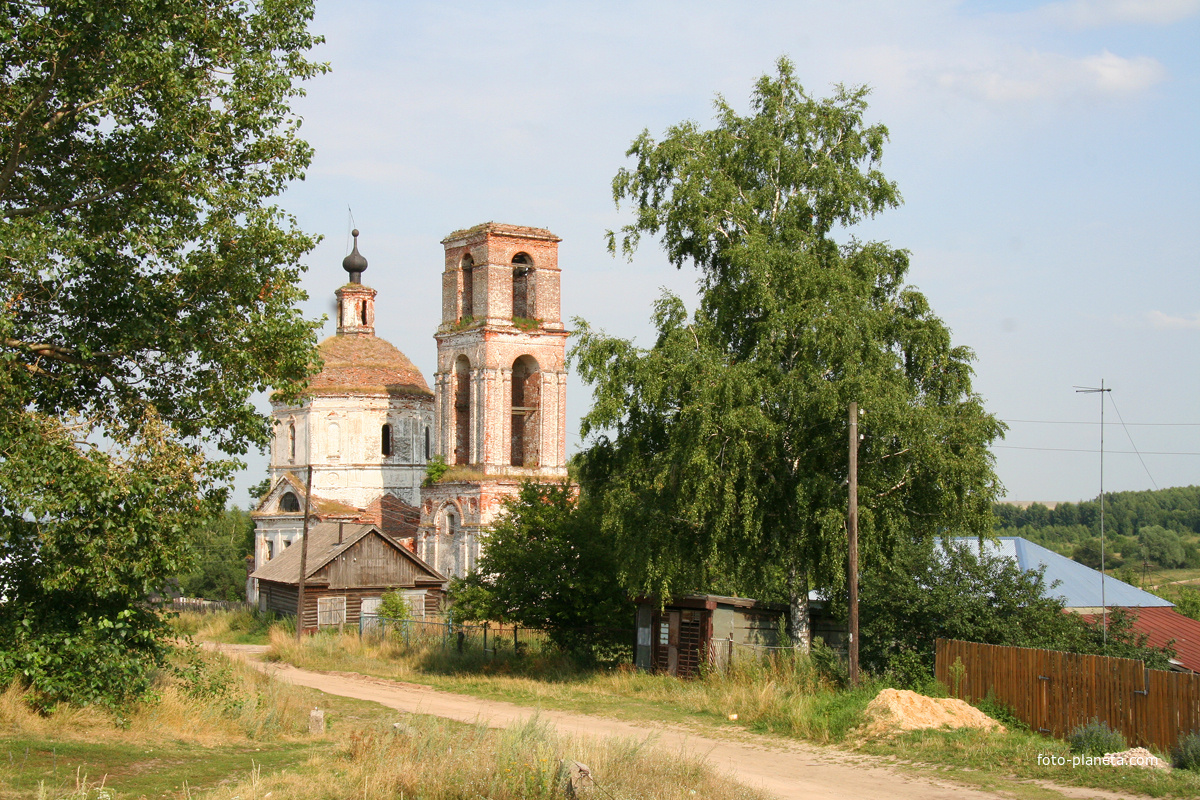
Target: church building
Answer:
[[500, 391], [369, 423]]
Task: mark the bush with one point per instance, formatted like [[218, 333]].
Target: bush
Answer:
[[394, 607], [1186, 754], [1096, 739]]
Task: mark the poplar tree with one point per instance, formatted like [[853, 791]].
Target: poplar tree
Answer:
[[148, 288], [719, 454]]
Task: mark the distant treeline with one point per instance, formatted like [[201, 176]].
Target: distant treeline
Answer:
[[1160, 527]]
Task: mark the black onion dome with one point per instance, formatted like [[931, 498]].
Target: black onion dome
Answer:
[[354, 263]]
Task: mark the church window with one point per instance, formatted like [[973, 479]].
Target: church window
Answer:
[[363, 309], [468, 286], [521, 276], [270, 550], [526, 401], [335, 437], [462, 411], [385, 440], [292, 442], [426, 442], [289, 502]]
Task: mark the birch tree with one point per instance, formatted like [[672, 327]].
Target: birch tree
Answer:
[[719, 454]]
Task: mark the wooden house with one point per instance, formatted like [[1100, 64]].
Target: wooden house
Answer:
[[348, 570], [703, 629]]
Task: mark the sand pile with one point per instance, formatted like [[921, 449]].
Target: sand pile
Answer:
[[1137, 757], [895, 710]]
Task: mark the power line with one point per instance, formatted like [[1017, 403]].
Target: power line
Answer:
[[1131, 444], [1130, 424], [1082, 450]]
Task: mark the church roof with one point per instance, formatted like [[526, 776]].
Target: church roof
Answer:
[[366, 364]]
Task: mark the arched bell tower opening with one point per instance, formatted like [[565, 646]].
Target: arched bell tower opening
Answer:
[[468, 287], [524, 417], [522, 280], [462, 410]]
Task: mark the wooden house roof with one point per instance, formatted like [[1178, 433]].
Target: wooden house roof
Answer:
[[324, 547]]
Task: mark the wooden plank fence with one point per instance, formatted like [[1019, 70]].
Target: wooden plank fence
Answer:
[[1053, 692]]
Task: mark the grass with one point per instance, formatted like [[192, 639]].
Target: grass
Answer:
[[227, 627], [208, 720], [217, 728], [781, 696], [435, 759], [998, 761]]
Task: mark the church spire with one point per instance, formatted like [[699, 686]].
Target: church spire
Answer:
[[354, 263], [356, 303]]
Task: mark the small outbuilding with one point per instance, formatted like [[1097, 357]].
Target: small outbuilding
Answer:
[[703, 629], [348, 569]]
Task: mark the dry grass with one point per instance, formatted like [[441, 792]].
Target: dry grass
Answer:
[[205, 699], [783, 694], [437, 760], [234, 627]]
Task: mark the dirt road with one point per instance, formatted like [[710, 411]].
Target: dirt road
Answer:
[[784, 768]]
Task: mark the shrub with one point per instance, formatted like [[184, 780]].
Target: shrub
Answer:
[[394, 607], [1186, 754], [1095, 738]]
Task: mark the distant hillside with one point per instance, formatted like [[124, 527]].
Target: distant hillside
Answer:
[[1160, 528]]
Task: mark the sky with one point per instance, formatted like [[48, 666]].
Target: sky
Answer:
[[1048, 155]]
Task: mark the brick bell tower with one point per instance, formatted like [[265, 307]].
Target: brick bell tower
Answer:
[[500, 386]]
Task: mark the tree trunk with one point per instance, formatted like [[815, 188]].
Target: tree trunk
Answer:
[[798, 627]]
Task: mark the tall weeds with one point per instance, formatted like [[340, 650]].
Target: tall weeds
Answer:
[[786, 693], [434, 759], [203, 698]]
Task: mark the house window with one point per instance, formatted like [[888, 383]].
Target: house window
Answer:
[[331, 611], [289, 503], [385, 440]]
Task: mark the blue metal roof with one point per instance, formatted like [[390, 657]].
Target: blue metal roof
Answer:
[[1077, 584]]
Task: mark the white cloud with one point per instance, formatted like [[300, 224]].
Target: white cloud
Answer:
[[1026, 76], [1165, 322], [1098, 13]]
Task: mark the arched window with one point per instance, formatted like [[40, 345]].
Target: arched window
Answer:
[[526, 402], [289, 503], [363, 310], [335, 439], [462, 411], [292, 442], [426, 442], [385, 440], [468, 286], [521, 275]]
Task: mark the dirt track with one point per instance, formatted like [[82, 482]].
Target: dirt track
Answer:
[[784, 768]]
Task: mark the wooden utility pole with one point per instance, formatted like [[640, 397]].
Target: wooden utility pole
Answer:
[[303, 560], [852, 527]]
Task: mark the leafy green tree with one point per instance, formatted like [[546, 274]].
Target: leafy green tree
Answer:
[[1161, 546], [933, 589], [221, 545], [718, 455], [547, 565], [148, 290]]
